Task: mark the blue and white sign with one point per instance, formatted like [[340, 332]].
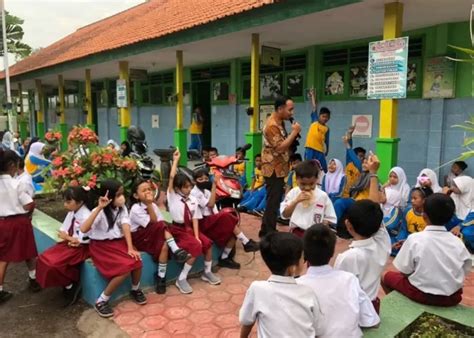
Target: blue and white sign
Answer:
[[387, 75], [122, 99]]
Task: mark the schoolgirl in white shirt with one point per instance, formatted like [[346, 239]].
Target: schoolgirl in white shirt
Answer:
[[111, 245], [150, 233], [59, 265], [17, 242], [184, 210], [25, 181], [307, 204]]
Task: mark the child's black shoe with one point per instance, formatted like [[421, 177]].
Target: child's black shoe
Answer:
[[5, 296], [33, 285], [103, 309], [138, 296], [160, 285], [181, 256], [228, 263], [251, 246], [71, 295]]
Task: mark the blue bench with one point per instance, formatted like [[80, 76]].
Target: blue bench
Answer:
[[45, 230]]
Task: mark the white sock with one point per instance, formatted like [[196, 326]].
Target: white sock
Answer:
[[32, 274], [1, 287], [135, 287], [162, 270], [69, 287], [184, 273], [103, 298], [241, 237], [207, 266], [226, 253], [172, 245]]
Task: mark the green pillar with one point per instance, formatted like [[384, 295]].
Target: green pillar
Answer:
[[40, 130], [387, 151], [255, 139], [181, 142], [123, 134], [64, 130], [23, 128]]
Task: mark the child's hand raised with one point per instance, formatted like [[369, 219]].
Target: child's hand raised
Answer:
[[373, 163], [104, 200], [176, 155], [351, 129]]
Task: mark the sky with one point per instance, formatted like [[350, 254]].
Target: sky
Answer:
[[47, 21]]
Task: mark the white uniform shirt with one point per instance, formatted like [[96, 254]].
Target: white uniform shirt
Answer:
[[139, 216], [344, 306], [100, 228], [12, 197], [176, 207], [25, 182], [80, 216], [366, 259], [320, 209], [435, 260], [203, 198], [282, 308]]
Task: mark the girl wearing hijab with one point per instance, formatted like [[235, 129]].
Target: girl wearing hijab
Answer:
[[113, 145], [462, 192], [126, 148], [334, 181], [395, 192], [7, 141], [428, 178], [27, 148], [35, 161]]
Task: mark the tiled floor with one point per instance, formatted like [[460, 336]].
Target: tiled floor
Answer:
[[211, 311]]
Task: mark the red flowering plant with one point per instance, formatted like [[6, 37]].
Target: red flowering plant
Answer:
[[86, 164]]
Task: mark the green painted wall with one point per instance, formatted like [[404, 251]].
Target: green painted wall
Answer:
[[459, 35]]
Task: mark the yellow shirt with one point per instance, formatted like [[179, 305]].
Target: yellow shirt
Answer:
[[258, 177], [415, 223], [316, 138], [30, 167], [363, 195], [239, 169], [195, 128], [352, 175]]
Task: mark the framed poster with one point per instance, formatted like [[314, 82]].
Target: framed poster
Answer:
[[388, 69], [363, 125], [265, 111], [334, 83], [439, 78], [270, 86], [358, 77], [122, 99]]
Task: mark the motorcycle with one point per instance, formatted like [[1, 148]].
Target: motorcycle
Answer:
[[136, 137]]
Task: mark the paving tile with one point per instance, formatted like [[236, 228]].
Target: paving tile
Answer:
[[152, 309], [175, 300], [154, 298], [179, 326], [237, 299], [128, 306], [225, 307], [233, 280], [133, 330], [230, 333], [177, 312], [202, 317], [154, 322], [128, 318], [236, 289], [206, 331], [156, 334], [199, 304], [219, 296], [227, 321]]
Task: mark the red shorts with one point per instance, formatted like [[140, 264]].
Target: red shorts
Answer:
[[298, 232], [397, 281], [220, 227], [376, 304], [150, 239], [111, 257], [184, 237], [59, 265], [17, 241]]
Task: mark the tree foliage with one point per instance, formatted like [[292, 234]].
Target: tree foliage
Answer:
[[15, 33]]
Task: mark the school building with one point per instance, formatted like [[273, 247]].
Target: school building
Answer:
[[170, 56]]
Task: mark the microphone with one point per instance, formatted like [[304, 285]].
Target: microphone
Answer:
[[296, 143]]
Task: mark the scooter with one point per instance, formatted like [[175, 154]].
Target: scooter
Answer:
[[136, 137]]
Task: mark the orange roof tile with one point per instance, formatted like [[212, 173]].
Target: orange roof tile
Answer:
[[150, 20]]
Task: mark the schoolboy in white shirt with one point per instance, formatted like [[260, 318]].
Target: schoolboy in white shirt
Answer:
[[281, 307], [306, 204], [338, 292], [432, 264], [369, 251]]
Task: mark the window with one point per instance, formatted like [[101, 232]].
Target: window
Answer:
[[158, 89], [286, 79], [220, 91]]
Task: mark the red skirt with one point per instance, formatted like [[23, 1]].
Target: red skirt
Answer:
[[111, 257], [397, 281], [17, 241], [298, 232], [59, 265], [184, 237], [150, 239], [219, 227]]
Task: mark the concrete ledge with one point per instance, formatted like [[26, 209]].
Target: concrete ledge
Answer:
[[45, 230], [397, 312]]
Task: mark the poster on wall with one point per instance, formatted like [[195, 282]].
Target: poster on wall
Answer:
[[122, 94], [388, 69], [334, 83], [358, 79], [265, 111], [363, 126], [438, 79]]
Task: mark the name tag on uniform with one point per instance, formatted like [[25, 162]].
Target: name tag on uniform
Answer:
[[318, 213]]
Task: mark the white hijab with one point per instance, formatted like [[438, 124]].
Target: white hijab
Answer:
[[465, 200], [7, 141], [36, 149], [397, 195], [433, 178], [332, 181], [114, 144]]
